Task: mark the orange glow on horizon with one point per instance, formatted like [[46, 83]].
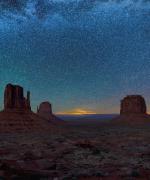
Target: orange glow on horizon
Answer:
[[77, 111]]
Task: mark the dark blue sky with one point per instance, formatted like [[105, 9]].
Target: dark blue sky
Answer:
[[81, 55]]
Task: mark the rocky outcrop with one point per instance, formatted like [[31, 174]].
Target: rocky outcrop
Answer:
[[14, 98], [132, 111], [133, 104], [45, 111], [17, 114]]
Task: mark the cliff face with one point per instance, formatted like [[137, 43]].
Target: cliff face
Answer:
[[45, 111], [133, 104], [45, 108], [17, 114], [14, 98]]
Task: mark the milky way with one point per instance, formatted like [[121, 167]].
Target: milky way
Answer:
[[78, 54]]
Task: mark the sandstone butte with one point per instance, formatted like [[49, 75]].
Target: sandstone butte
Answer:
[[133, 110], [45, 111], [18, 116], [133, 104]]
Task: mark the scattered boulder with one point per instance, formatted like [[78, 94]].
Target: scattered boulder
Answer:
[[133, 104], [85, 144]]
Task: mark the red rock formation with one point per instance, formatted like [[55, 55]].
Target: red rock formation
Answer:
[[133, 104], [132, 111], [17, 114], [45, 111], [45, 108], [14, 98]]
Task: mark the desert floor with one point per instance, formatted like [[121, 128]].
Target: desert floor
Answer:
[[77, 151]]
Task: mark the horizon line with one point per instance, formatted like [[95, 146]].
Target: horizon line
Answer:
[[76, 114]]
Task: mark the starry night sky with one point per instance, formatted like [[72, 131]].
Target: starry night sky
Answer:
[[81, 55]]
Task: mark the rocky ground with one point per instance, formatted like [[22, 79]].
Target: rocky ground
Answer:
[[92, 151]]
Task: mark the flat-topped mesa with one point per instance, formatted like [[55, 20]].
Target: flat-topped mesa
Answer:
[[133, 104], [14, 98], [45, 110]]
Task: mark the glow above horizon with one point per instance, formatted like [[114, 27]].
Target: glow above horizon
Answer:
[[77, 111], [77, 54]]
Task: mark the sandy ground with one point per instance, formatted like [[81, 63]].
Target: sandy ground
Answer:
[[78, 151]]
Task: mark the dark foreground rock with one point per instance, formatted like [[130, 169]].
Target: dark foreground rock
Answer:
[[96, 152], [23, 122]]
